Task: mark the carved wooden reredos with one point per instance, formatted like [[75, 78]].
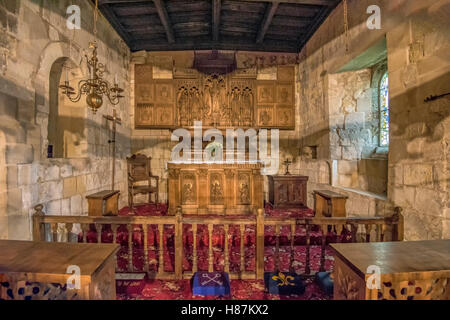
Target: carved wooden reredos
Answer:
[[235, 100]]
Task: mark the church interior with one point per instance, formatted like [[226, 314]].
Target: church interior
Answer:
[[225, 149]]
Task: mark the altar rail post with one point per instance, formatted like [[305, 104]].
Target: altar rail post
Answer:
[[260, 244], [179, 245], [38, 226]]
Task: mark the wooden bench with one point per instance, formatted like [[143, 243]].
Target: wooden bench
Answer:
[[329, 204], [104, 203]]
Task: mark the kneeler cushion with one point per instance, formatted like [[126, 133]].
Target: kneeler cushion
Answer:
[[284, 283], [211, 284], [325, 282]]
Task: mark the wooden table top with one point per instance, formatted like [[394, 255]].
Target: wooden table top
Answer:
[[396, 257], [53, 257], [288, 177], [102, 194], [330, 194]]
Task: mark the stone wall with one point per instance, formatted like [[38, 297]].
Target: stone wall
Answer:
[[418, 65], [368, 175], [34, 36], [353, 122]]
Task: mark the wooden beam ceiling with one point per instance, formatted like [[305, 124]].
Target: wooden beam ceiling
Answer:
[[254, 25], [216, 18], [112, 18], [310, 2], [265, 24], [162, 12]]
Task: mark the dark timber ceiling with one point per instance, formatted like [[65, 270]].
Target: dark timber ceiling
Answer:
[[253, 25]]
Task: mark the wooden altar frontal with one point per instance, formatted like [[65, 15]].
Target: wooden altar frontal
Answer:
[[212, 188]]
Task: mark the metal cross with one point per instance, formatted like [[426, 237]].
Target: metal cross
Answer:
[[115, 120]]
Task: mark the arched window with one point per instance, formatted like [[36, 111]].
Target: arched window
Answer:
[[384, 110]]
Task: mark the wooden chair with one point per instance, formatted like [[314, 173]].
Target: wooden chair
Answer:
[[139, 170]]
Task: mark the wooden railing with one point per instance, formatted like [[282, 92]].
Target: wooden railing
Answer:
[[370, 229]]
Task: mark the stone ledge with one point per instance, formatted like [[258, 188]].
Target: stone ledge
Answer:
[[364, 193]]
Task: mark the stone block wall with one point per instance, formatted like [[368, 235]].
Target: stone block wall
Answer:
[[418, 65], [34, 36], [370, 175], [353, 117]]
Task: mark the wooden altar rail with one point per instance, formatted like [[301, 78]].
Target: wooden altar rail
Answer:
[[371, 229]]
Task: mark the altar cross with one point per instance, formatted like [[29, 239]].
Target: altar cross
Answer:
[[115, 120], [287, 163]]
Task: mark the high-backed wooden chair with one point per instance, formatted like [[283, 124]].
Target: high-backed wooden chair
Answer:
[[139, 170]]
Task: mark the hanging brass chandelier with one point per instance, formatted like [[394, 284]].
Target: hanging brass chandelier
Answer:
[[95, 87]]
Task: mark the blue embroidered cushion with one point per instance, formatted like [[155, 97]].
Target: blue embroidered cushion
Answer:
[[284, 283], [325, 282], [211, 284]]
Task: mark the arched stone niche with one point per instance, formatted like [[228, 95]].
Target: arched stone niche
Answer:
[[53, 58], [66, 124]]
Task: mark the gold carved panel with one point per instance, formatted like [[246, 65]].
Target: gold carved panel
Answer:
[[244, 188], [265, 117], [236, 100], [285, 116], [188, 188], [144, 114], [241, 103], [189, 102], [229, 189], [216, 189], [164, 115], [266, 93], [144, 93], [164, 93], [285, 94]]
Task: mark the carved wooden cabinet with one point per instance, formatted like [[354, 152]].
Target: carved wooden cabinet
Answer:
[[215, 188], [403, 276], [288, 191]]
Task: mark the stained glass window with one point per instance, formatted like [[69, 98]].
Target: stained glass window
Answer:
[[384, 110]]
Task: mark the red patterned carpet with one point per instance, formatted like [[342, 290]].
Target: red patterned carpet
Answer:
[[242, 290], [181, 290]]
